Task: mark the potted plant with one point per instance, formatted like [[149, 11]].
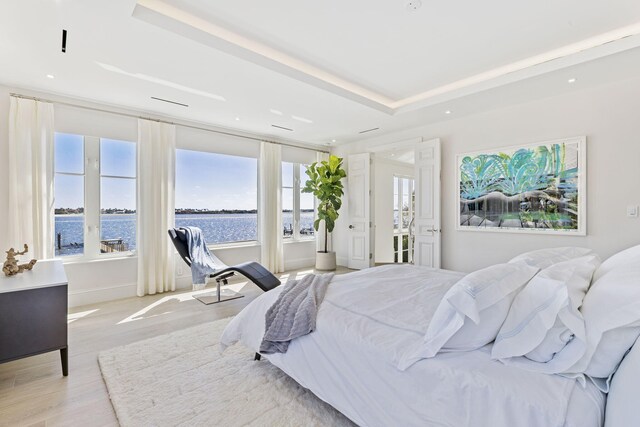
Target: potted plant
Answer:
[[325, 184]]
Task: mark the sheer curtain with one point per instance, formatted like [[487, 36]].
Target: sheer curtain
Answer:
[[31, 176], [156, 206], [270, 207]]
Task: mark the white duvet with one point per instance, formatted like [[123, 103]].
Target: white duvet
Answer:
[[369, 319]]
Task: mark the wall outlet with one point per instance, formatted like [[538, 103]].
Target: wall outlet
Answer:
[[180, 270], [632, 211]]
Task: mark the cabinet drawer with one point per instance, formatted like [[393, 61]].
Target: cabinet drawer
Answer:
[[32, 321]]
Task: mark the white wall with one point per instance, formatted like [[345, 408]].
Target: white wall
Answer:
[[607, 115], [108, 279], [383, 205]]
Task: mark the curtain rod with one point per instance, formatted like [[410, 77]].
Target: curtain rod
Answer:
[[68, 104]]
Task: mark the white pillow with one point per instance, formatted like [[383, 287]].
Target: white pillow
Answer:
[[472, 311], [611, 349], [544, 318], [622, 402], [611, 311], [543, 258], [623, 258]]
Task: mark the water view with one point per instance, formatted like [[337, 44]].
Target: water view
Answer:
[[118, 231]]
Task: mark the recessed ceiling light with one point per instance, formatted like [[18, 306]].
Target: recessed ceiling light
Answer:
[[237, 119], [276, 112], [393, 154], [333, 140], [572, 80], [301, 119], [51, 76], [448, 112]]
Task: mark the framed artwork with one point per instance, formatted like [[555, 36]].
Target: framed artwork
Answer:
[[537, 188]]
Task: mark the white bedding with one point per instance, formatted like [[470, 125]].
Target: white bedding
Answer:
[[369, 319]]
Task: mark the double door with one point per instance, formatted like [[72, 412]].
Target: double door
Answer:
[[424, 205]]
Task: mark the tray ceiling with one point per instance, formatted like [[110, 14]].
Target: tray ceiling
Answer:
[[327, 70]]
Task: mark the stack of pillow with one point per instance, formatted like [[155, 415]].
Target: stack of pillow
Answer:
[[556, 311]]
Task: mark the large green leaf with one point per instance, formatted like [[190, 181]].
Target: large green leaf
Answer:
[[330, 224]]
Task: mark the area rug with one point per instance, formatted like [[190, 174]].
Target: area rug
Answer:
[[181, 379]]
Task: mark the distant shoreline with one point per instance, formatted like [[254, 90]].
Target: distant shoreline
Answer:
[[191, 213]]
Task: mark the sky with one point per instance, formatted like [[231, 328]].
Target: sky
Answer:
[[203, 180], [215, 181], [117, 167]]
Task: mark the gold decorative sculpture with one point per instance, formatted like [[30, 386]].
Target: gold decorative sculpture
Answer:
[[11, 267]]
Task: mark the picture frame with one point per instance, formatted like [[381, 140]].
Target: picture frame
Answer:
[[538, 188]]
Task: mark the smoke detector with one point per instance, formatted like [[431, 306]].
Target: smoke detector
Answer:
[[414, 5]]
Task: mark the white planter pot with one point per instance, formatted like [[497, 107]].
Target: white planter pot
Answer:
[[326, 261]]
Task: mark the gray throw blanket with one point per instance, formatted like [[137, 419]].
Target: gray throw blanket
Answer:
[[203, 262], [294, 312]]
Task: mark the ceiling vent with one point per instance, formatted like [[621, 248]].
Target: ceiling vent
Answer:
[[64, 41], [368, 130], [170, 102], [282, 127]]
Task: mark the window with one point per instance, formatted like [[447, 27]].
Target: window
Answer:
[[117, 196], [307, 206], [297, 207], [219, 194], [69, 194], [288, 202], [403, 205], [95, 196]]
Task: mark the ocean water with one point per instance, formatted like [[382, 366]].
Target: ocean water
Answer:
[[217, 228]]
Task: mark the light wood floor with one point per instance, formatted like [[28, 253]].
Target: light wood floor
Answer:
[[33, 391]]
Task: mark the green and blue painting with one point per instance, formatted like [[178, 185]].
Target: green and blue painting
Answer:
[[536, 188]]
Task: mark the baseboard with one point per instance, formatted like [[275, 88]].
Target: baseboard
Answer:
[[93, 296], [296, 264], [343, 262]]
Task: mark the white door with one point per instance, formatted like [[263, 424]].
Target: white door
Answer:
[[358, 176], [427, 230]]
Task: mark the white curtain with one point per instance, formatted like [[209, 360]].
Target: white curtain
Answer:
[[270, 208], [156, 206], [320, 234], [31, 176]]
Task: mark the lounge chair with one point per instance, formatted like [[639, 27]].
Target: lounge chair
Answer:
[[251, 270]]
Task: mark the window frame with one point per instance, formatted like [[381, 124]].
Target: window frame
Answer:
[[92, 209]]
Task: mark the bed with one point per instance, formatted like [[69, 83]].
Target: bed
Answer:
[[369, 319]]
